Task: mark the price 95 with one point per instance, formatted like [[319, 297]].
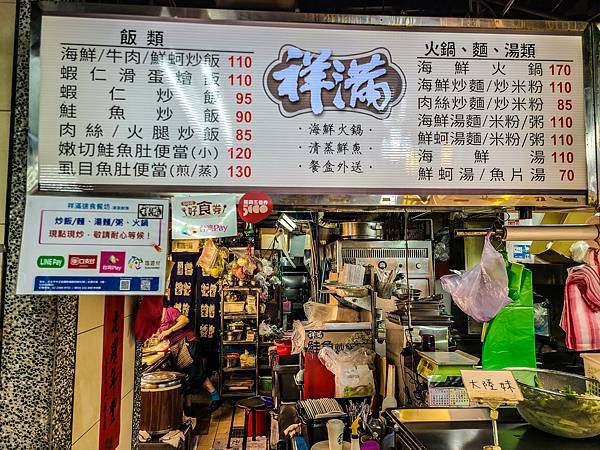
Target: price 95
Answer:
[[242, 98]]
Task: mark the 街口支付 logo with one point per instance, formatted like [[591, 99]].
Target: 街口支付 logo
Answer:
[[301, 81]]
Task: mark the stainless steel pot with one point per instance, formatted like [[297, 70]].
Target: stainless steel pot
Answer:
[[362, 230]]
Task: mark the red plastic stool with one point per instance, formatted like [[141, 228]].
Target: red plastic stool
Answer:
[[251, 407]]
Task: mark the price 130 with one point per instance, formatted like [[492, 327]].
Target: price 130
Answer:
[[239, 171]]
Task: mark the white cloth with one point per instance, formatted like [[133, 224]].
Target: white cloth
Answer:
[[173, 438], [144, 436]]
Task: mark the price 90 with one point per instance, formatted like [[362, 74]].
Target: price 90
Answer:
[[243, 116]]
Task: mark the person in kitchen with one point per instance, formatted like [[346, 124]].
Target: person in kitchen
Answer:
[[185, 346]]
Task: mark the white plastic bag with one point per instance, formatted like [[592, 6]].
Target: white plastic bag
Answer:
[[353, 376], [298, 337], [579, 251], [481, 291]]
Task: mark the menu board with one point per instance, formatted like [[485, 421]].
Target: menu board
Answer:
[[225, 107], [93, 246]]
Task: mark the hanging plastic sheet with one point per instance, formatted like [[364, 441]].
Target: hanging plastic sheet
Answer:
[[509, 338]]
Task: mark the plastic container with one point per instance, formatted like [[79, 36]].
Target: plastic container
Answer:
[[283, 346], [232, 360], [247, 360], [285, 388], [318, 381], [315, 430], [335, 434], [448, 397], [591, 363], [266, 383]]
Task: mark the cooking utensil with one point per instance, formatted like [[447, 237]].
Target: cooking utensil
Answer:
[[232, 360], [559, 403], [159, 377], [362, 230], [390, 396]]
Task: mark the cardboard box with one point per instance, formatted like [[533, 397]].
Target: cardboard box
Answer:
[[344, 314], [337, 339]]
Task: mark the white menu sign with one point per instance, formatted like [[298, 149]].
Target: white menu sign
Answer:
[[80, 245], [204, 216], [196, 105]]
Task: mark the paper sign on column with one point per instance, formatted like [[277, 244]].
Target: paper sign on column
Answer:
[[204, 216], [495, 385]]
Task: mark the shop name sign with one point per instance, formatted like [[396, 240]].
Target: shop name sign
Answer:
[[81, 245], [211, 107], [303, 82]]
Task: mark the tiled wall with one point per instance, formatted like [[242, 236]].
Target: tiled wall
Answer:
[[7, 34], [88, 372], [41, 335]]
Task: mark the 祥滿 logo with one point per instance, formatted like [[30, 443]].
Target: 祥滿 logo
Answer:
[[301, 81]]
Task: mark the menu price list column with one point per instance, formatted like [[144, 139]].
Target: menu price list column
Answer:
[[158, 112], [507, 114], [241, 81]]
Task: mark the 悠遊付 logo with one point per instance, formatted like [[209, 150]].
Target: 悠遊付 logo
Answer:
[[135, 263]]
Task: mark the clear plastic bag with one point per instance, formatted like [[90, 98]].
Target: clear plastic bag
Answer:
[[353, 375], [441, 249], [540, 319], [208, 256], [481, 291]]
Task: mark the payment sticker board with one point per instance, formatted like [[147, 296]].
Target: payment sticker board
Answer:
[[204, 216], [220, 107], [78, 245]]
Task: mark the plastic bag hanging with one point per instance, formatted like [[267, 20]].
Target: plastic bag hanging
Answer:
[[481, 291], [353, 374]]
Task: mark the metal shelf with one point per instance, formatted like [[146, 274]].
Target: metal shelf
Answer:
[[241, 289], [239, 316], [239, 394], [238, 369], [251, 372]]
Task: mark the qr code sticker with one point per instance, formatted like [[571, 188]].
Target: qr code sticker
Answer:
[[125, 285], [144, 285]]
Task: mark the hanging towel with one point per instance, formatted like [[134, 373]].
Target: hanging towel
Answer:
[[581, 313]]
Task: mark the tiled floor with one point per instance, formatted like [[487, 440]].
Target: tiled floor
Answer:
[[218, 430]]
